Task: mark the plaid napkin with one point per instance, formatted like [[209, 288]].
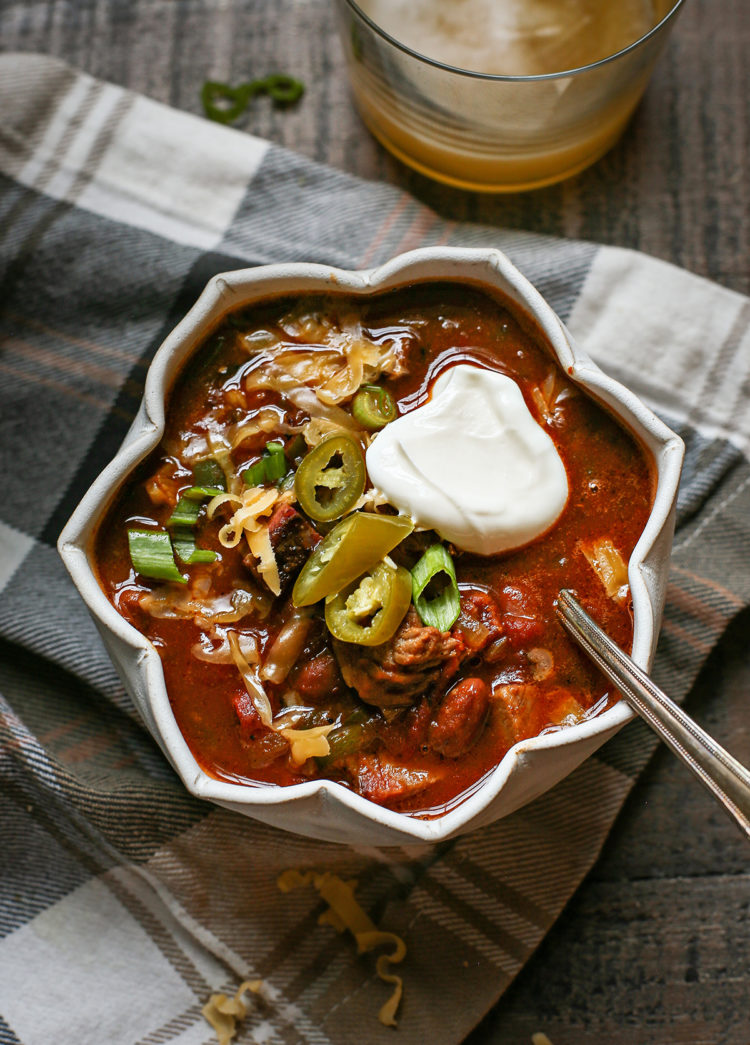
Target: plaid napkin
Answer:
[[124, 902]]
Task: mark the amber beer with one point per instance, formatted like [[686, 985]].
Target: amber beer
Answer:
[[501, 95]]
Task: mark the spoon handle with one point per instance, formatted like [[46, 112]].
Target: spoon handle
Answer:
[[722, 774]]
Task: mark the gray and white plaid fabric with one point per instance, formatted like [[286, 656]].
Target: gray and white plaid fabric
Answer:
[[123, 901]]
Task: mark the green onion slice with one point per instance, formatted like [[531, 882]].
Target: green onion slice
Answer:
[[442, 610], [151, 555], [201, 493], [270, 468], [209, 474], [184, 545], [276, 466], [373, 406], [186, 512], [255, 475]]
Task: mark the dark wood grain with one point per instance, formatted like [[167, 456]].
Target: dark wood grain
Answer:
[[655, 947]]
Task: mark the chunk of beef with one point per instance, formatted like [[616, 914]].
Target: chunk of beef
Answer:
[[384, 781], [292, 539], [395, 673], [525, 709], [460, 718]]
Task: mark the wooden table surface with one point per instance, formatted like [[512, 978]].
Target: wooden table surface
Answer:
[[655, 946]]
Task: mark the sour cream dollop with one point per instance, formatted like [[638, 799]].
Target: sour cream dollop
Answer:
[[472, 463]]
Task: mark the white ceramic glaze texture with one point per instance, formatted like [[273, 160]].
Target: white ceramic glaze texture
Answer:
[[321, 808]]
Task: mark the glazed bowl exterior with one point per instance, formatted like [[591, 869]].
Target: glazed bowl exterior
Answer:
[[322, 808]]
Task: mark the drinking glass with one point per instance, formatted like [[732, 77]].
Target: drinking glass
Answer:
[[488, 132]]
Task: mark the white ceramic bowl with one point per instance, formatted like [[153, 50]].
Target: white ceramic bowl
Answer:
[[322, 808]]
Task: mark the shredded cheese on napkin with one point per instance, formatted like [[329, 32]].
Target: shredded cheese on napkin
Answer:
[[345, 912], [223, 1013]]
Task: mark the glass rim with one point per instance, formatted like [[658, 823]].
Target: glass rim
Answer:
[[504, 77]]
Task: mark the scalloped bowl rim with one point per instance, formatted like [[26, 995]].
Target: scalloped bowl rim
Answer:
[[479, 266]]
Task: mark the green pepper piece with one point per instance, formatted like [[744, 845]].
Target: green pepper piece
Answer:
[[353, 547], [331, 478], [369, 610], [350, 736], [373, 406]]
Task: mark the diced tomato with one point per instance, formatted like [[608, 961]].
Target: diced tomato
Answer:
[[249, 719], [523, 620], [521, 631]]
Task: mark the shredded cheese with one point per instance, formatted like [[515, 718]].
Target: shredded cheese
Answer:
[[370, 501], [223, 1013], [260, 545], [334, 370], [303, 743], [609, 566], [249, 521], [317, 428], [255, 502], [251, 678], [306, 743], [549, 394], [267, 419], [345, 912]]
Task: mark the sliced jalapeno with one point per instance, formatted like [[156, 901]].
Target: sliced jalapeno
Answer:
[[373, 406], [353, 547], [369, 610], [331, 479]]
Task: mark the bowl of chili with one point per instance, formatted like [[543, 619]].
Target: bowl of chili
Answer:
[[375, 662]]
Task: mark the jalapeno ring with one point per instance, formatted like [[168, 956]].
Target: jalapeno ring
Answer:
[[370, 610], [331, 478]]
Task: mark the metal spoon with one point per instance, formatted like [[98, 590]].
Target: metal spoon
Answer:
[[726, 779]]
